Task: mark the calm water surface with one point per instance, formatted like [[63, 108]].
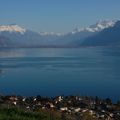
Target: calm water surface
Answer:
[[60, 71]]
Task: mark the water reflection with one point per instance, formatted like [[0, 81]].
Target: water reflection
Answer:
[[8, 53]]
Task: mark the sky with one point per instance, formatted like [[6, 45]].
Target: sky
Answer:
[[58, 16]]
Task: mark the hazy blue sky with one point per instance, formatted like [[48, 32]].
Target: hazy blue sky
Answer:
[[57, 15]]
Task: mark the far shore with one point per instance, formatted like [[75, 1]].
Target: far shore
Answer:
[[56, 46]]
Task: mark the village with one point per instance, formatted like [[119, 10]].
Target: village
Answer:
[[93, 107]]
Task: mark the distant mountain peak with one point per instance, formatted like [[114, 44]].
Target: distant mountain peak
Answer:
[[76, 30], [100, 25], [12, 28], [50, 34]]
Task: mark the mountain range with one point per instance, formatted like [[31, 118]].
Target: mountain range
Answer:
[[103, 33]]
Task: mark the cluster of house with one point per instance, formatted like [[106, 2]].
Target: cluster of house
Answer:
[[77, 105]]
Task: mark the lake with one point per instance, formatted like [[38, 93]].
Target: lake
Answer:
[[92, 71]]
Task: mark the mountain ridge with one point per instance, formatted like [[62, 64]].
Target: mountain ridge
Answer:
[[19, 36], [109, 36]]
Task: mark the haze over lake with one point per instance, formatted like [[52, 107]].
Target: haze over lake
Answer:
[[92, 71]]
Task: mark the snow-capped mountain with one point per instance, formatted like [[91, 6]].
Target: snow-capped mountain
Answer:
[[99, 26], [12, 28], [20, 36], [16, 36], [109, 36], [78, 35]]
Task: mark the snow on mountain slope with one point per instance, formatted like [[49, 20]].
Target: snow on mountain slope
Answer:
[[109, 36], [93, 28], [12, 28], [19, 36], [97, 27], [50, 34]]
